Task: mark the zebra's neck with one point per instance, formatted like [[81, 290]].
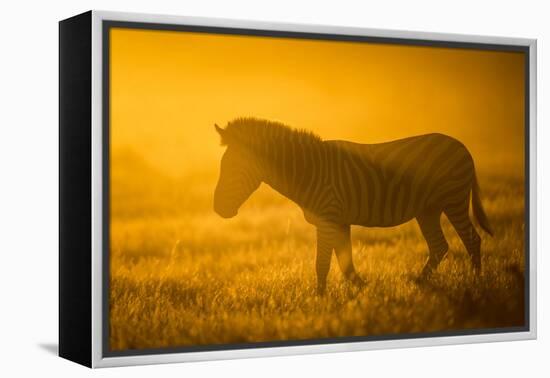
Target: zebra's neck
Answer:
[[293, 168]]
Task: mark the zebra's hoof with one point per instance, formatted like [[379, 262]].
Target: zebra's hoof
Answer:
[[321, 290], [358, 282], [477, 271], [422, 278], [476, 265]]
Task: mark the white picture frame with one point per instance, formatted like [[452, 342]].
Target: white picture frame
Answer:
[[97, 356]]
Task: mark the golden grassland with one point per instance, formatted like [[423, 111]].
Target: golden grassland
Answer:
[[182, 276]]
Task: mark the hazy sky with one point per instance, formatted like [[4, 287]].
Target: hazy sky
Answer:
[[169, 88]]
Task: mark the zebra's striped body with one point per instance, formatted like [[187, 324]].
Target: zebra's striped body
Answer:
[[387, 184], [341, 183]]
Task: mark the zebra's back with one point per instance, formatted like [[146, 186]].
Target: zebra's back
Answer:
[[386, 184]]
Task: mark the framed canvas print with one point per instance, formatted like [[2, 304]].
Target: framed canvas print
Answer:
[[236, 189]]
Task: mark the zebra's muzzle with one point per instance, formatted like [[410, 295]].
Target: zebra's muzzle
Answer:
[[225, 213]]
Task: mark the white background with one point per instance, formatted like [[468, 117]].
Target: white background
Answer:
[[29, 189]]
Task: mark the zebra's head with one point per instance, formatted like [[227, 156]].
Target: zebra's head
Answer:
[[239, 176]]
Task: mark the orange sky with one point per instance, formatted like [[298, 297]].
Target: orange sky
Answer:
[[168, 89]]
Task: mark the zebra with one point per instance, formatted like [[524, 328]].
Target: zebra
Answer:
[[341, 183]]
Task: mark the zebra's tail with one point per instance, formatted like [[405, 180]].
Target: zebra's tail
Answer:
[[479, 213]]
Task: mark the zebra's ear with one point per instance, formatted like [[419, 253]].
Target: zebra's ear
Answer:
[[219, 129], [221, 132]]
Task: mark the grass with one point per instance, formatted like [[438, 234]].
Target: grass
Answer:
[[183, 276]]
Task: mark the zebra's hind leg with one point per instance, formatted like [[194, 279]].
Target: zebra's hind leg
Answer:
[[344, 255], [460, 219], [430, 226]]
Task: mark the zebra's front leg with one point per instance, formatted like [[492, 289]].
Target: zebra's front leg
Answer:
[[325, 245], [344, 254]]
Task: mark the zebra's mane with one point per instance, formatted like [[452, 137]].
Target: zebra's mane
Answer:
[[255, 133]]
